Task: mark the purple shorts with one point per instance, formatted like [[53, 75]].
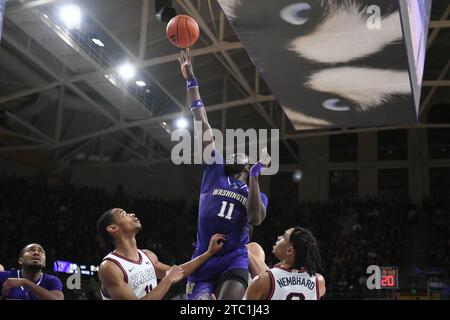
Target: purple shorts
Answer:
[[202, 283]]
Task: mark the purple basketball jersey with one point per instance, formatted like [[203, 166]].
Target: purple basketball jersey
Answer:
[[222, 209], [46, 281]]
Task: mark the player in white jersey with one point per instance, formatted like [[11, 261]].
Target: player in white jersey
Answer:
[[294, 277], [128, 273]]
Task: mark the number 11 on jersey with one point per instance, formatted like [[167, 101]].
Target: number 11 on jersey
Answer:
[[229, 212]]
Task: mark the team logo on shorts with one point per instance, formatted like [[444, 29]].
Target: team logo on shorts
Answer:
[[190, 287]]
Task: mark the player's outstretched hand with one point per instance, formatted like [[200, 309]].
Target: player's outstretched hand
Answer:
[[175, 274], [265, 157], [216, 243], [186, 64], [264, 161]]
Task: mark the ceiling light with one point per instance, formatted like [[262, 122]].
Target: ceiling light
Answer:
[[98, 42], [111, 79], [71, 15], [127, 71], [140, 83], [181, 123]]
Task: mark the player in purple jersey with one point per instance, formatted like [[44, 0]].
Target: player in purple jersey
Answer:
[[230, 202], [30, 283]]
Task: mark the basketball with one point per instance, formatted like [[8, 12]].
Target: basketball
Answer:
[[183, 31]]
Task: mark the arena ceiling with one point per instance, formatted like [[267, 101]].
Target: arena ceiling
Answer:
[[63, 104]]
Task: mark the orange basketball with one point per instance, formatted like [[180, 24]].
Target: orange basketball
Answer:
[[183, 31]]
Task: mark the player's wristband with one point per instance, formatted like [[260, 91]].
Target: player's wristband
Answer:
[[256, 169], [191, 83], [196, 104]]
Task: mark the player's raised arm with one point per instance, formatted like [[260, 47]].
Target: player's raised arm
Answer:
[[260, 287], [256, 210], [194, 100], [111, 278], [256, 259], [215, 245]]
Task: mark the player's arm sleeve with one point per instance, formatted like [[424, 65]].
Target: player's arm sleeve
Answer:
[[55, 284], [55, 287]]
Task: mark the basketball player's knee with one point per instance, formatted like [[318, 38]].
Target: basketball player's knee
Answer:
[[231, 290], [256, 250]]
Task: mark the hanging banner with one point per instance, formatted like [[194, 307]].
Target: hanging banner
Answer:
[[329, 63]]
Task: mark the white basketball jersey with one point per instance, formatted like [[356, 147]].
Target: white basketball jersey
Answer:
[[139, 275], [291, 284]]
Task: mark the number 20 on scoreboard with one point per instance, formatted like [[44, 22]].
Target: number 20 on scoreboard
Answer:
[[382, 277]]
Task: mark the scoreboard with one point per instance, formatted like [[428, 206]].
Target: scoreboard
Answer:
[[389, 278]]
